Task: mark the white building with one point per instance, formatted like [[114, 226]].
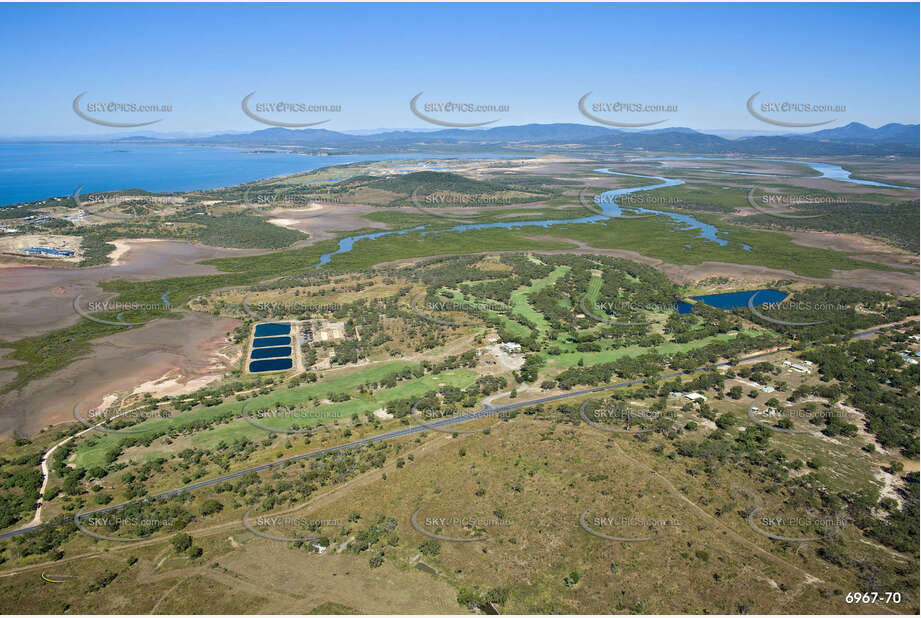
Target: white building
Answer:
[[797, 367]]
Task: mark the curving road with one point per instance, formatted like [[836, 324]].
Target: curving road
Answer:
[[488, 410]]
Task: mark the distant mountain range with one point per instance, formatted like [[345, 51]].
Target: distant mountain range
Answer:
[[856, 132], [852, 139]]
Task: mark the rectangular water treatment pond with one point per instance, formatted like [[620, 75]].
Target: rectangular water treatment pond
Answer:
[[268, 342], [258, 353], [272, 329], [272, 364], [272, 348]]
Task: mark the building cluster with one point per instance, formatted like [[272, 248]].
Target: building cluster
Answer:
[[321, 331]]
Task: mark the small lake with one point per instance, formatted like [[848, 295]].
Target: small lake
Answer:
[[274, 328], [273, 364], [733, 300]]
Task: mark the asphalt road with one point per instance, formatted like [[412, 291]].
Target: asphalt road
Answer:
[[406, 431]]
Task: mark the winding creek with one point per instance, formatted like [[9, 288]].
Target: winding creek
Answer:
[[825, 170], [610, 209]]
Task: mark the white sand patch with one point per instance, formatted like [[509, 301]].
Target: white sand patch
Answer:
[[382, 413], [889, 482], [107, 402], [172, 386], [123, 246], [862, 432], [286, 223], [312, 207]]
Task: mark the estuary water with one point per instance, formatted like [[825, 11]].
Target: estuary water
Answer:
[[607, 203], [825, 170], [606, 207]]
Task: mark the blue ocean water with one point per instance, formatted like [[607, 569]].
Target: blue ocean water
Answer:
[[37, 171]]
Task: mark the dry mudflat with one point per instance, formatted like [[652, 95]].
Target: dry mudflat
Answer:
[[181, 350], [38, 299], [324, 222]]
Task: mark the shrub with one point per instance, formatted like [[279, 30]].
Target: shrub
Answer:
[[430, 547]]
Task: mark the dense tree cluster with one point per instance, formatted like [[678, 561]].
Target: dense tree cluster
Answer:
[[875, 379]]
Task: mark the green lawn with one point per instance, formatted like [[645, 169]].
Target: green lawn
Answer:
[[363, 404], [571, 359], [594, 290], [519, 298], [92, 455]]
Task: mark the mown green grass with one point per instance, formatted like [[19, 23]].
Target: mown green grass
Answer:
[[364, 404], [89, 455], [571, 359], [594, 288], [521, 305]]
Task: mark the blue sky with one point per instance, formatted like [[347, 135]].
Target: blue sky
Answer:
[[538, 59]]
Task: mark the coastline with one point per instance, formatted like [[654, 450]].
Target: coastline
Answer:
[[59, 168]]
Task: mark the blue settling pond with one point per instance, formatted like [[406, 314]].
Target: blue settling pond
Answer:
[[272, 364], [733, 300], [270, 352], [267, 342], [268, 330]]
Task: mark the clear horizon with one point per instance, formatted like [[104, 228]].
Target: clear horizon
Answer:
[[702, 62]]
